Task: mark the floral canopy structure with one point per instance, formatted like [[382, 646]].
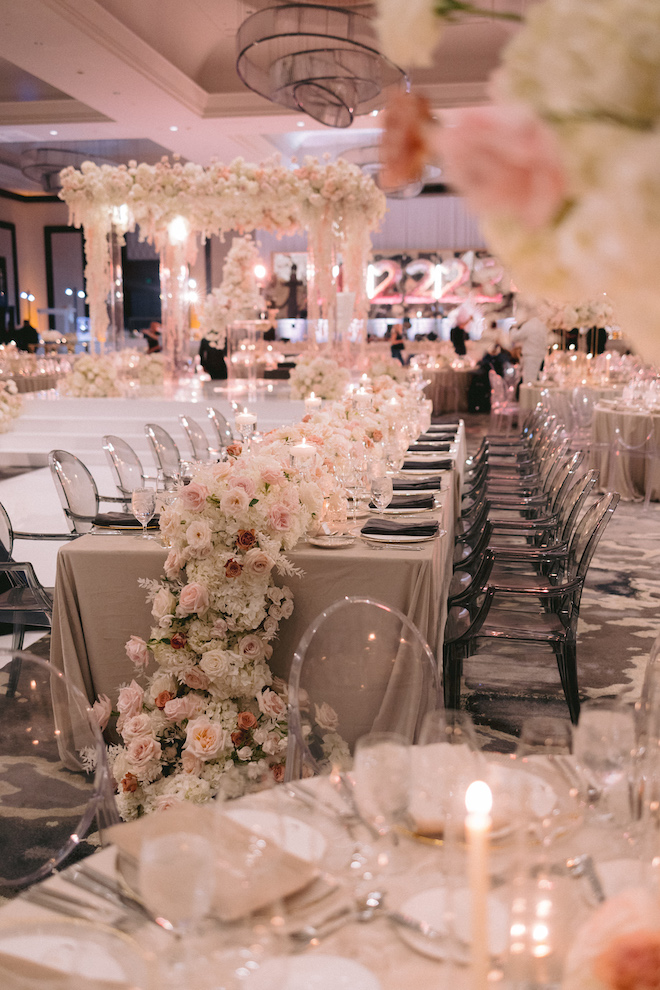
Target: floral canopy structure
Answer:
[[174, 203]]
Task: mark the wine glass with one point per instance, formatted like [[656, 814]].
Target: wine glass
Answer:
[[605, 747], [143, 503], [551, 738], [382, 491], [381, 778]]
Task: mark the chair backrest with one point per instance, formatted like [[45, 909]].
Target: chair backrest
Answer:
[[573, 501], [198, 440], [124, 464], [76, 488], [588, 533], [165, 451], [6, 535], [371, 666], [221, 427], [497, 389], [54, 777]]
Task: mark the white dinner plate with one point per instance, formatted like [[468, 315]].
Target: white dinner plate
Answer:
[[423, 473], [395, 538], [312, 972], [423, 491], [331, 542], [294, 836], [80, 948], [413, 511], [432, 906]]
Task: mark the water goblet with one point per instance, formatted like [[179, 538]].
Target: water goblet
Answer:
[[381, 776], [382, 491], [605, 747], [143, 504], [543, 821]]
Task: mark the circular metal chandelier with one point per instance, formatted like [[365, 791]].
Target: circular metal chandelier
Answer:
[[368, 159], [323, 61]]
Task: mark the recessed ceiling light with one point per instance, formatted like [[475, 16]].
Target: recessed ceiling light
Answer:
[[53, 133], [301, 123], [174, 127], [374, 113]]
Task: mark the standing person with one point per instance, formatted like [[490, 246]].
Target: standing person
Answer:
[[212, 359], [396, 342], [531, 336], [458, 333]]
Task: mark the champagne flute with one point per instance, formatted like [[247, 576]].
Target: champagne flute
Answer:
[[143, 503]]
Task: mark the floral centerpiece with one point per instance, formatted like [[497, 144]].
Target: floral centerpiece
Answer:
[[378, 366], [11, 404], [594, 313], [211, 718], [93, 377], [151, 370], [320, 375]]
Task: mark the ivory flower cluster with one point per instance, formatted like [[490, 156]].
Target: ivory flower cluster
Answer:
[[11, 404], [320, 375], [594, 313], [102, 376]]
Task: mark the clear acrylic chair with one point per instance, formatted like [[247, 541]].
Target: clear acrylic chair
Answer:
[[165, 451], [371, 666], [125, 465], [539, 610], [50, 793], [199, 444], [80, 499], [221, 426]]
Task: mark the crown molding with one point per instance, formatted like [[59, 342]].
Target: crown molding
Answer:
[[49, 112]]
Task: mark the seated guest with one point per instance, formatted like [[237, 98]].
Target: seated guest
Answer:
[[495, 359], [26, 337]]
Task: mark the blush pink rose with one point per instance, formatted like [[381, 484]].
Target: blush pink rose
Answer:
[[137, 651], [142, 752], [257, 562], [504, 160], [246, 484], [193, 496], [196, 679], [194, 597], [271, 704], [234, 502], [251, 647], [279, 517], [272, 473], [205, 739], [188, 706], [102, 709], [129, 700], [166, 801], [219, 628], [222, 470], [278, 772], [174, 562], [136, 725], [631, 962]]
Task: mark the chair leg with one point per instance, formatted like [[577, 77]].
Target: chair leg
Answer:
[[18, 636], [452, 668], [567, 665]]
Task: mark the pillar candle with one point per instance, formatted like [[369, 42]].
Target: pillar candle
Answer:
[[478, 801]]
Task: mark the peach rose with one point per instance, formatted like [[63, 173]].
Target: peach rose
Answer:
[[278, 772], [271, 704], [194, 597], [141, 752], [505, 161], [234, 450], [233, 568], [129, 700], [205, 738], [631, 962], [189, 706], [137, 651], [193, 496], [129, 783], [246, 720], [102, 709], [245, 539], [195, 679], [190, 763]]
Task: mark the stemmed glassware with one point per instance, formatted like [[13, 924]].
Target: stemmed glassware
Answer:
[[605, 747], [381, 775], [143, 504], [382, 491]]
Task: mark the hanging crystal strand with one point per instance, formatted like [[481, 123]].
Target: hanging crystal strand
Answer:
[[177, 249], [98, 276]]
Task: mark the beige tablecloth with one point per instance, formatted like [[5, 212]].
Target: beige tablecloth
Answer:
[[448, 389], [530, 394], [630, 463], [98, 603]]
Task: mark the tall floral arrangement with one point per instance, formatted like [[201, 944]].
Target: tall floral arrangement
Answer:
[[593, 313], [320, 375], [238, 296]]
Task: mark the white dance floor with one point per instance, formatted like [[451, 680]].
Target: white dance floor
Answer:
[[78, 425]]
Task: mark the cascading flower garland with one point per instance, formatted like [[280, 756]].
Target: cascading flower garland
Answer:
[[212, 719]]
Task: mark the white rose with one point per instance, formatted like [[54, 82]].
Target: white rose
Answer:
[[163, 604]]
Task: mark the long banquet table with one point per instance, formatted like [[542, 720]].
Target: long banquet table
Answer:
[[98, 603], [627, 462], [448, 389]]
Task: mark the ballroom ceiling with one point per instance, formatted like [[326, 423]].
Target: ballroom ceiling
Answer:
[[122, 79]]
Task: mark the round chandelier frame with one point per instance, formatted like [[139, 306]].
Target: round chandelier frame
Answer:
[[322, 61]]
